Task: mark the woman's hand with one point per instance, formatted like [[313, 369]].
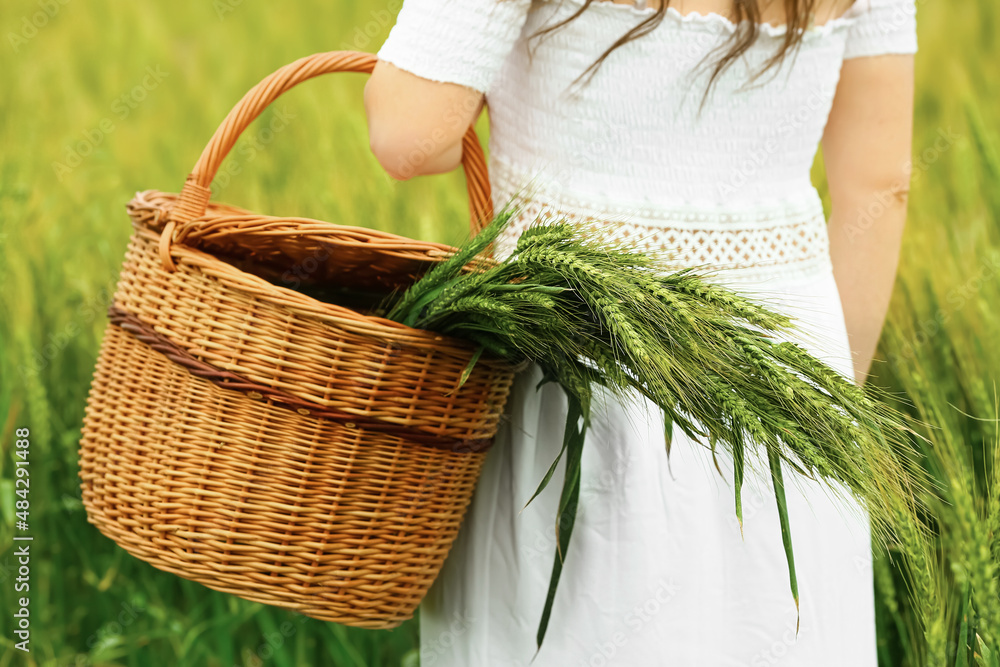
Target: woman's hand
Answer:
[[866, 149], [415, 125]]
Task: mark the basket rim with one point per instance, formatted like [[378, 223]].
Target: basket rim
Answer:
[[158, 203], [388, 331]]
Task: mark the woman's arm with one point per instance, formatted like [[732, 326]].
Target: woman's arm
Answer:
[[866, 150], [440, 59], [415, 125]]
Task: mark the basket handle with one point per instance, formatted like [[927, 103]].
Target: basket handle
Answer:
[[193, 200]]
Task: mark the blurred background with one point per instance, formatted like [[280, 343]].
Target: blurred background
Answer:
[[101, 99]]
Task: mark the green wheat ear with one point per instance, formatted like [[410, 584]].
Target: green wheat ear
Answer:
[[592, 314]]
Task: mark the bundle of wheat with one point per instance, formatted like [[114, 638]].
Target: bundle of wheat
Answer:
[[593, 315]]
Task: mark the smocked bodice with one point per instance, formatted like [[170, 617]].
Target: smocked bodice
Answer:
[[721, 180], [639, 131]]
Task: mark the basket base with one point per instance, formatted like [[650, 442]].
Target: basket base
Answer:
[[338, 523]]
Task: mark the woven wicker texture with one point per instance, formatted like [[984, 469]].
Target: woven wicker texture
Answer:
[[317, 351], [267, 444], [364, 258]]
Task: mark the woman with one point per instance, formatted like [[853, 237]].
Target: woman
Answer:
[[690, 127]]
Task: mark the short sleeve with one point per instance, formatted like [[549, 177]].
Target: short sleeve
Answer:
[[455, 41], [883, 27]]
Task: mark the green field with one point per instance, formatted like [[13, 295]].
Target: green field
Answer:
[[102, 99]]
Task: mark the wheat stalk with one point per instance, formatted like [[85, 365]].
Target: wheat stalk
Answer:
[[595, 314]]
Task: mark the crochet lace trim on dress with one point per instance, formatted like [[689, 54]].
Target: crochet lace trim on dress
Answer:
[[751, 243]]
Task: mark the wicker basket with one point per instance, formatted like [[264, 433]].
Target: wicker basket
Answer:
[[258, 441]]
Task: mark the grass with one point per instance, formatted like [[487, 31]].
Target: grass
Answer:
[[139, 87]]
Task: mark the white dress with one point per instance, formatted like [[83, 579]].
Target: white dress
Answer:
[[657, 572]]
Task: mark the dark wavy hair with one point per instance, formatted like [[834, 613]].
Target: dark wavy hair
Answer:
[[747, 17]]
